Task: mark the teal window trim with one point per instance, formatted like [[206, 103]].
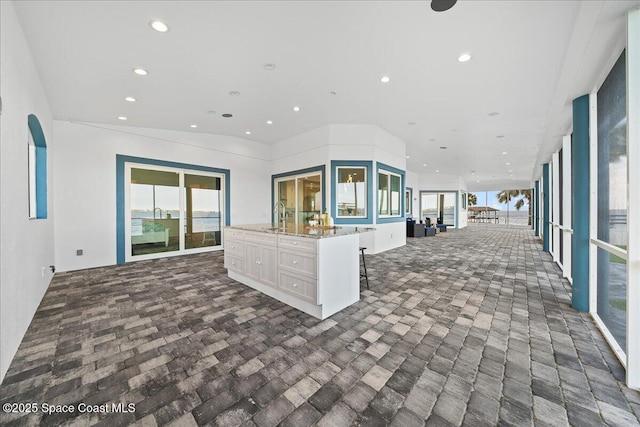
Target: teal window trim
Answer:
[[334, 185], [409, 208], [41, 165], [546, 217], [390, 219], [312, 169], [121, 160]]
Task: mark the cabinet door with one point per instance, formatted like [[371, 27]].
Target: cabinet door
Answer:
[[252, 261], [261, 263], [269, 266]]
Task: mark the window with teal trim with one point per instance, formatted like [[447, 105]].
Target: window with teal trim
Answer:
[[389, 193], [37, 169], [351, 192]]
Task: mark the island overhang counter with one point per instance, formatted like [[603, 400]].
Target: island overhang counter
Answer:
[[313, 269]]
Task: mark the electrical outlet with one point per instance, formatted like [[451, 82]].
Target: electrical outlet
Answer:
[[79, 252]]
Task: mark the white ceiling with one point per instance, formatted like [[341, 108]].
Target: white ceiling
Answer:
[[530, 59]]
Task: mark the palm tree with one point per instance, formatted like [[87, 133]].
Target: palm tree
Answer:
[[505, 196], [472, 199]]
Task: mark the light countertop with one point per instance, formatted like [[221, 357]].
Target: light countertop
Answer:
[[302, 230]]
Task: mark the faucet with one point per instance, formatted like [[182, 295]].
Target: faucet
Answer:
[[154, 213], [283, 214]]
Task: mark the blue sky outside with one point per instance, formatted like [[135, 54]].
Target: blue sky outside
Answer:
[[491, 196]]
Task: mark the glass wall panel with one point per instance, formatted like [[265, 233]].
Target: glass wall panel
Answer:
[[429, 207], [351, 192], [155, 211], [309, 198], [612, 295], [287, 196], [203, 211], [448, 209], [612, 200]]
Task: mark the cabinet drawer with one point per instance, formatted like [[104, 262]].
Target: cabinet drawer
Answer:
[[264, 238], [297, 243], [234, 247], [234, 263], [234, 234], [299, 262], [301, 287]]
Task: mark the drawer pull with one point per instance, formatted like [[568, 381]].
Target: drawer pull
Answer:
[[259, 262], [295, 285], [295, 262]]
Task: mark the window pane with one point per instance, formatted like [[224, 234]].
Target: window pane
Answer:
[[612, 157], [395, 195], [351, 193], [429, 207], [309, 198], [449, 209], [287, 196], [383, 194], [155, 211], [203, 211], [612, 295]]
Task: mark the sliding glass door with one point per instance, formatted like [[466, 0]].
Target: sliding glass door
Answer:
[[172, 211], [438, 207], [301, 196]]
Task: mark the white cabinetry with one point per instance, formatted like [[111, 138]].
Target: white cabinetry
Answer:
[[317, 276]]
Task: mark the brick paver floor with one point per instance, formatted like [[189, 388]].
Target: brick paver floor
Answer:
[[470, 327]]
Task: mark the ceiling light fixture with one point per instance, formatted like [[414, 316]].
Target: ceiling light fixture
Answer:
[[424, 164], [130, 99], [140, 71], [385, 79], [269, 66], [438, 170], [194, 126], [269, 122], [500, 136], [443, 148], [464, 57], [507, 163], [122, 118], [442, 5], [296, 108], [504, 152], [408, 157], [248, 132], [159, 26], [234, 93], [493, 114], [227, 115]]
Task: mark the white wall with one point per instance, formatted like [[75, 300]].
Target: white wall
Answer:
[[26, 245], [85, 165]]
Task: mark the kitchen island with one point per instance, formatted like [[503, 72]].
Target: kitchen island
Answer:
[[313, 269]]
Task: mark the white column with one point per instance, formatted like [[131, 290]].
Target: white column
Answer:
[[633, 215], [555, 207], [566, 206]]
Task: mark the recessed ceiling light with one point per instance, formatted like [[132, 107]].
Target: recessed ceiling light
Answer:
[[432, 139], [473, 171], [269, 66], [408, 157], [122, 118], [438, 170], [510, 170], [500, 136], [130, 99], [227, 115], [494, 114], [194, 126], [385, 79], [140, 71], [248, 132], [478, 181], [443, 148], [159, 26], [333, 92], [504, 152], [424, 164], [411, 123], [234, 93], [296, 108], [269, 122], [507, 163], [464, 57]]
